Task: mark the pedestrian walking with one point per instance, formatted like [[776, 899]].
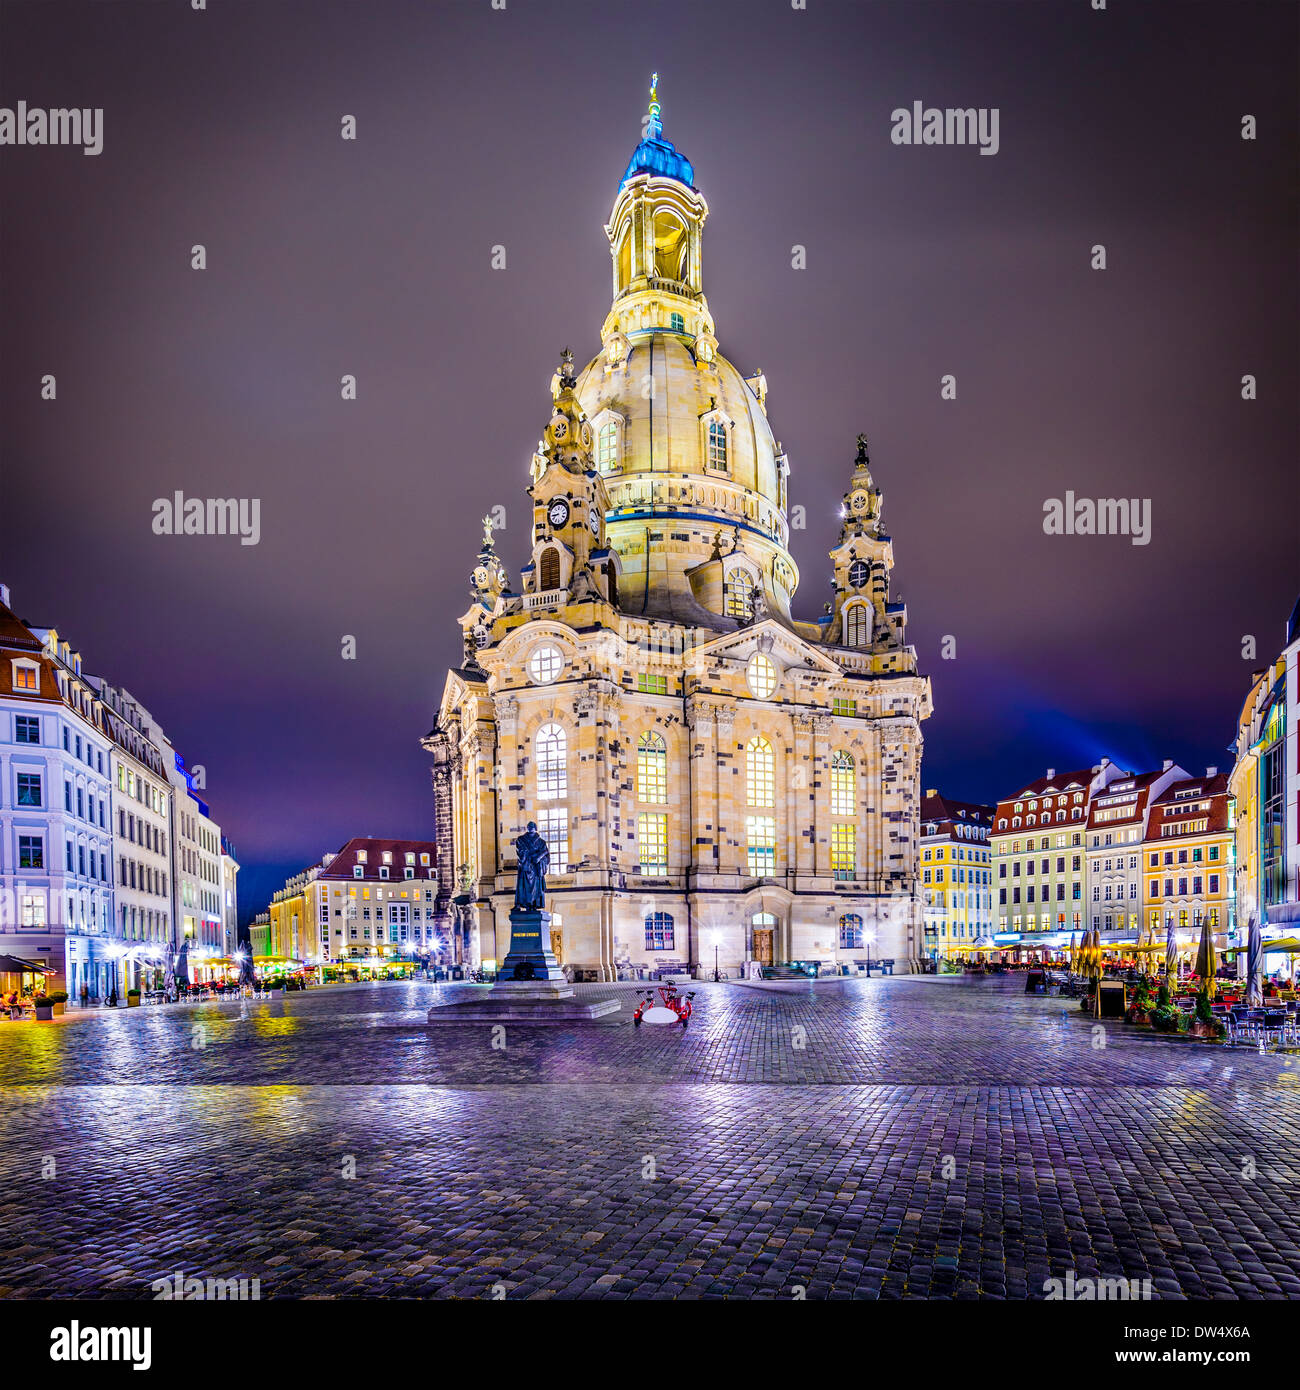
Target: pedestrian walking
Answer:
[[85, 994]]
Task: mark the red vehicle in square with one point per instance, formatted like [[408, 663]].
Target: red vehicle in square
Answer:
[[670, 1001]]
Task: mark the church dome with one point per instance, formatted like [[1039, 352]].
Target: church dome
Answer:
[[664, 425]]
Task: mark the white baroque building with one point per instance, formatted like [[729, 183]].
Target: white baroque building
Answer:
[[718, 779]]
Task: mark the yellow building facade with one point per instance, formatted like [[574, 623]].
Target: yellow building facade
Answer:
[[956, 877], [717, 780], [1189, 860]]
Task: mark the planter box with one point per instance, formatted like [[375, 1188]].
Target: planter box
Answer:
[[132, 1001], [58, 1009], [1139, 1016], [45, 1014]]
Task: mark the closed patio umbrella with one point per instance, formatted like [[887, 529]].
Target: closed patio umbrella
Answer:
[[1254, 964], [1074, 951], [1206, 963], [1171, 951]]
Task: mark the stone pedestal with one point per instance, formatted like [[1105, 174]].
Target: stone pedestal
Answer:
[[530, 986], [530, 959]]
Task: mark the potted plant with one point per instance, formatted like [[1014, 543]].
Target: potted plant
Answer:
[[44, 1007], [1143, 1001], [59, 998], [1167, 1017], [133, 999], [1205, 1024]]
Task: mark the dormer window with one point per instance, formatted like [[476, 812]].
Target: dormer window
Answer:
[[26, 676], [357, 871], [383, 872], [738, 595], [361, 856], [408, 872], [424, 859], [716, 452], [388, 856]]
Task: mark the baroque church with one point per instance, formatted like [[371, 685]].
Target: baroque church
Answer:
[[720, 783]]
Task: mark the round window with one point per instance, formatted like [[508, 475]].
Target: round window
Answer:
[[545, 664], [761, 675], [859, 572]]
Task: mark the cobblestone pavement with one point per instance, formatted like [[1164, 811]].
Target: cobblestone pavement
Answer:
[[881, 1138]]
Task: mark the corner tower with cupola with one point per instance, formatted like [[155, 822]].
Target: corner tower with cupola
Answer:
[[716, 777]]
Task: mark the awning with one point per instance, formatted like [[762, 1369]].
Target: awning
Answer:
[[16, 965], [1288, 945]]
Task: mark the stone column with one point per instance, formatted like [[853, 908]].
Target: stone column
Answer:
[[728, 811], [823, 726], [702, 811]]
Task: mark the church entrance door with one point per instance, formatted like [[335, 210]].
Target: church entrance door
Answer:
[[763, 945]]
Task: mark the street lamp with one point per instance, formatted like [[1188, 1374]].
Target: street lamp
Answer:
[[116, 953]]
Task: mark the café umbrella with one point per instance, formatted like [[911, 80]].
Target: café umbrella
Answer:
[[1205, 961], [1171, 951], [1254, 964]]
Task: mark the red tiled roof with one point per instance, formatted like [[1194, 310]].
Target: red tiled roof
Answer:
[[343, 864], [1214, 790], [1042, 786], [942, 808]]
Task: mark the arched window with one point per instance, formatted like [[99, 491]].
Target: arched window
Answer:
[[850, 932], [717, 446], [548, 571], [670, 247], [738, 595], [651, 768], [760, 676], [843, 784], [552, 765], [857, 627], [607, 448], [659, 931], [760, 772]]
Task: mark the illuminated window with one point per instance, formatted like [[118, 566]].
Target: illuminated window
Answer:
[[553, 827], [607, 448], [651, 768], [844, 851], [545, 664], [652, 841], [26, 676], [738, 595], [717, 447], [647, 683], [552, 770], [761, 676], [845, 709], [658, 931], [850, 932], [760, 840], [760, 772], [843, 784]]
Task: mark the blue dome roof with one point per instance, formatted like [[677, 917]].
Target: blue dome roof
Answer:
[[655, 155]]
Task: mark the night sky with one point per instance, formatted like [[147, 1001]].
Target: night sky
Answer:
[[479, 128]]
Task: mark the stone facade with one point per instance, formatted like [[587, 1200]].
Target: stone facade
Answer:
[[718, 781]]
